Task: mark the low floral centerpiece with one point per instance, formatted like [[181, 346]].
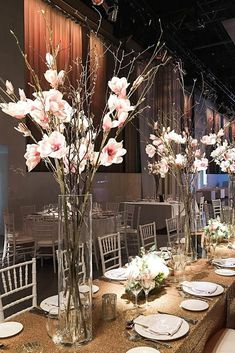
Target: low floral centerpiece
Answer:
[[146, 272], [216, 230]]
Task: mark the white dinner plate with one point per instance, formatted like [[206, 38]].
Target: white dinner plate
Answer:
[[226, 263], [10, 328], [117, 274], [183, 330], [219, 290], [224, 272], [194, 305], [52, 302], [143, 349]]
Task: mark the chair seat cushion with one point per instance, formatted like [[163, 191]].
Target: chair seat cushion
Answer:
[[222, 341]]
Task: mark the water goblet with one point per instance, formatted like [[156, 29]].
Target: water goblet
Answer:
[[147, 285]]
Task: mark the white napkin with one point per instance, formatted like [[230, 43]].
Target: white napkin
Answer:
[[201, 287], [117, 272], [228, 262], [161, 325]]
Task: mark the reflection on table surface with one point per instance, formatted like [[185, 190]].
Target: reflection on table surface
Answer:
[[110, 336]]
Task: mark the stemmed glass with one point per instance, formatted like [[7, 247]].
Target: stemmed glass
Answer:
[[147, 285], [135, 288]]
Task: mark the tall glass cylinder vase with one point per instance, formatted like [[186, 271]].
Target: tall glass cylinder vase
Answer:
[[188, 215], [75, 269]]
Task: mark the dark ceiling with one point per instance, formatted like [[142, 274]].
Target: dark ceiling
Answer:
[[201, 33]]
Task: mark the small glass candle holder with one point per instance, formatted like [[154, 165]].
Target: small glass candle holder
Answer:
[[109, 306]]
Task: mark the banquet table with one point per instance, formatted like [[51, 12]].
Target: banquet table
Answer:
[[110, 336], [156, 211]]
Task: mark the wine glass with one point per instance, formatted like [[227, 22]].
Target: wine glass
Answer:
[[135, 287], [147, 285]]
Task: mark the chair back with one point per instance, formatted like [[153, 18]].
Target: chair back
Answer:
[[63, 257], [44, 229], [129, 215], [207, 212], [172, 230], [18, 288], [148, 235], [113, 207], [110, 251], [217, 209]]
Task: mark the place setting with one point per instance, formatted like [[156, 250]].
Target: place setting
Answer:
[[10, 328], [202, 289], [53, 302], [116, 274]]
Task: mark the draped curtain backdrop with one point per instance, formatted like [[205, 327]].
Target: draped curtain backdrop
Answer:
[[165, 101]]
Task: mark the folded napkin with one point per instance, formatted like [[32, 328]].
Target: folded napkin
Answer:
[[160, 324], [201, 287], [118, 272], [228, 262]]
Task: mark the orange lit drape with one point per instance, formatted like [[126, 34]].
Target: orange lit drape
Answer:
[[66, 33], [98, 73]]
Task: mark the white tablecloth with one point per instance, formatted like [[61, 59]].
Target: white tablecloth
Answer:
[[156, 211]]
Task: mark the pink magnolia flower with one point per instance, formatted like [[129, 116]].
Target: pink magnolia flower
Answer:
[[49, 60], [32, 156], [18, 110], [55, 79], [224, 165], [200, 164], [180, 160], [173, 136], [119, 86], [194, 143], [112, 153], [9, 87], [38, 114], [150, 150], [119, 104], [50, 104], [198, 153], [209, 139], [22, 95], [97, 2], [163, 167], [107, 123], [53, 146]]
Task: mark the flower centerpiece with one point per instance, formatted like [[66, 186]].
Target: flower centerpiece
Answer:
[[216, 230], [63, 133], [179, 154], [146, 272]]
